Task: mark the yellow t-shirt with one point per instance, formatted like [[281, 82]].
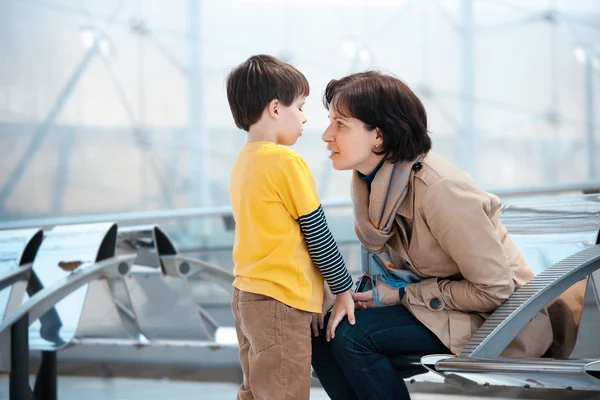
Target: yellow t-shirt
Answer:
[[270, 188]]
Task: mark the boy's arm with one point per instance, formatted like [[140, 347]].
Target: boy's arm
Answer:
[[324, 251], [298, 192]]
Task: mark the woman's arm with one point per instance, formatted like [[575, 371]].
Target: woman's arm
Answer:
[[457, 214]]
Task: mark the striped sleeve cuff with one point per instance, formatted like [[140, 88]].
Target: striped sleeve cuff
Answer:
[[324, 251]]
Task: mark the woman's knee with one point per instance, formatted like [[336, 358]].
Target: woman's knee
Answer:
[[348, 340]]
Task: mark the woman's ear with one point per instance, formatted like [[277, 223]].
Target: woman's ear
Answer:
[[273, 109], [378, 134]]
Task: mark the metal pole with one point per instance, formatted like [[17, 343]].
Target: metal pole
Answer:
[[466, 139], [46, 387], [589, 115], [551, 152], [325, 179], [198, 137], [44, 128], [55, 111], [19, 360], [66, 147]]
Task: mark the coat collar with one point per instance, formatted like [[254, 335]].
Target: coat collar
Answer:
[[406, 209]]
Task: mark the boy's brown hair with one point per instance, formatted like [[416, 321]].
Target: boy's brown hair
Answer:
[[257, 81]]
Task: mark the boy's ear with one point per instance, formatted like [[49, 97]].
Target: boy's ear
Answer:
[[273, 109]]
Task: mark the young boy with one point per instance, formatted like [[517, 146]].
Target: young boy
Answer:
[[281, 235]]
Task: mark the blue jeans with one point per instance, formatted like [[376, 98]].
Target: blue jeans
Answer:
[[370, 359]]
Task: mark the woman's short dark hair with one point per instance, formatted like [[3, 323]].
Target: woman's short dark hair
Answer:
[[257, 81], [385, 102]]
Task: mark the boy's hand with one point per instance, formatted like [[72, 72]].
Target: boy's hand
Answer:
[[344, 305], [318, 320]]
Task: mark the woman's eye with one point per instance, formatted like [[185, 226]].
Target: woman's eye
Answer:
[[340, 125]]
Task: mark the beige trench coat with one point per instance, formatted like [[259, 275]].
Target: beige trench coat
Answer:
[[449, 233]]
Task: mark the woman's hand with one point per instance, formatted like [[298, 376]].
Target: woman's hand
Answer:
[[318, 320], [388, 296], [344, 305]]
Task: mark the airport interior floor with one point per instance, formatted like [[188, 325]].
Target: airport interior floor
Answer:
[[77, 388]]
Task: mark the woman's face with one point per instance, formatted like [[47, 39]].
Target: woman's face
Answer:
[[351, 144]]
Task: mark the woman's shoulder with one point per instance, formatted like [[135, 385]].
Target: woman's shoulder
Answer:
[[436, 168], [441, 182]]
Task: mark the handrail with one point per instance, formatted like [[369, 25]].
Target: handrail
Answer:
[[224, 211], [14, 275], [48, 297], [511, 317], [186, 267]]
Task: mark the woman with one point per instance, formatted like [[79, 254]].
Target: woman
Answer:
[[440, 259]]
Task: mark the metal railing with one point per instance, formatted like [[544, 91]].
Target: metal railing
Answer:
[[225, 211]]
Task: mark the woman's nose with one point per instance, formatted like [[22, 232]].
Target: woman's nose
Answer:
[[327, 136]]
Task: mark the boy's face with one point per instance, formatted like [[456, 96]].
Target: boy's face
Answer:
[[291, 120]]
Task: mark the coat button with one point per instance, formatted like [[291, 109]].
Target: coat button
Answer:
[[417, 166], [435, 303]]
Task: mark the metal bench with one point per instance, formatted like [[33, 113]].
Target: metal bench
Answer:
[[557, 232], [141, 318], [17, 252], [193, 269], [174, 318], [158, 308], [65, 303]]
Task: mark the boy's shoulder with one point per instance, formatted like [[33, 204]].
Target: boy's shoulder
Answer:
[[269, 160], [283, 154]]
